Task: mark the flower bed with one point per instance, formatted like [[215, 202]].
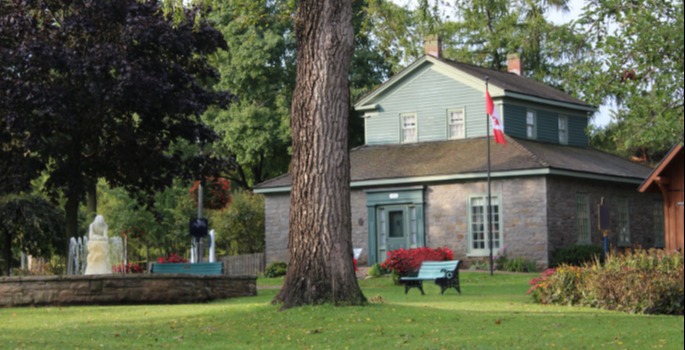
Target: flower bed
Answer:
[[406, 262], [640, 281]]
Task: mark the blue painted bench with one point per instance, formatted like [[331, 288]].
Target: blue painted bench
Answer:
[[444, 273], [205, 268]]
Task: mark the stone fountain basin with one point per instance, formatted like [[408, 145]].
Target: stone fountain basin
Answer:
[[122, 289]]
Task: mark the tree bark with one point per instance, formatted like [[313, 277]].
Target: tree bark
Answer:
[[320, 268]]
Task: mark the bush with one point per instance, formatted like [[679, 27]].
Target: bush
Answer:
[[406, 262], [637, 281], [377, 271], [517, 264], [562, 285], [276, 269], [576, 255]]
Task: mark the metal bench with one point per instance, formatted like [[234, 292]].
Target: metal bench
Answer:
[[205, 268], [444, 273]]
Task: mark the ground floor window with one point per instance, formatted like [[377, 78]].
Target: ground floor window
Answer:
[[623, 212], [658, 219], [583, 218], [478, 225]]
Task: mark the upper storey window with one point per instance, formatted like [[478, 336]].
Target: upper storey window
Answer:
[[409, 127], [531, 125], [563, 130], [456, 124]]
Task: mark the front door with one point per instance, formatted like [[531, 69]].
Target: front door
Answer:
[[393, 222]]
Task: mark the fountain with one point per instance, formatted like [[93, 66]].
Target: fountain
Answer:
[[97, 262]]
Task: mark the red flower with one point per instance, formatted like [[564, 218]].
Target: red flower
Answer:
[[173, 258], [217, 192]]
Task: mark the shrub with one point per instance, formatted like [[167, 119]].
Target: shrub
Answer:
[[377, 271], [517, 264], [637, 281], [276, 269], [576, 255], [405, 262], [562, 285]]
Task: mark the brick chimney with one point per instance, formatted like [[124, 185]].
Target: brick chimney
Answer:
[[433, 46], [514, 64]]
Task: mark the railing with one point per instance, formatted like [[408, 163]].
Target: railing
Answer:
[[247, 264]]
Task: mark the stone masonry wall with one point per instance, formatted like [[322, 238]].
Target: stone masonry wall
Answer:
[[122, 289], [277, 211], [523, 216], [562, 211]]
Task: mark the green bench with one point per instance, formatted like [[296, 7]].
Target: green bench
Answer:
[[205, 268], [444, 273]]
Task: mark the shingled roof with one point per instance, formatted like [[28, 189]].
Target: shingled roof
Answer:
[[515, 83], [441, 159], [509, 83]]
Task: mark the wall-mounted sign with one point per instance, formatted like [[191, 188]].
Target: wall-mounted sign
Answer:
[[394, 196]]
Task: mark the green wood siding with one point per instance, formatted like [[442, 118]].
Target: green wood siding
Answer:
[[429, 94], [514, 120], [547, 120], [577, 135]]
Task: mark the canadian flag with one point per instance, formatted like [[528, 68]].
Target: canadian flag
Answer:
[[496, 121]]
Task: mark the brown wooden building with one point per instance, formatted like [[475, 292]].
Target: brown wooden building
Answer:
[[667, 178]]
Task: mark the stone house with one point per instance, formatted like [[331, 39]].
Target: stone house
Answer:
[[420, 178]]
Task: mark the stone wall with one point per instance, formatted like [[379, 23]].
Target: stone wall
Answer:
[[122, 289], [562, 211], [277, 211], [524, 231]]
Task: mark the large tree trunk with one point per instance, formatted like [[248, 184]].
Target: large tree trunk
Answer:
[[320, 269]]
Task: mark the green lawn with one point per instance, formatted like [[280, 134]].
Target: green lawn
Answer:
[[493, 313]]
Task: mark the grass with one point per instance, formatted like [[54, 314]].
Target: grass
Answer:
[[492, 313]]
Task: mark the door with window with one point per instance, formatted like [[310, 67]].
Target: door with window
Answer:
[[396, 227]]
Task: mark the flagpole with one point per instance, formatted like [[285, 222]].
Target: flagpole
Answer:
[[487, 132]]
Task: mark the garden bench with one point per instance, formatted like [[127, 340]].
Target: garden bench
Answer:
[[444, 273], [205, 268]]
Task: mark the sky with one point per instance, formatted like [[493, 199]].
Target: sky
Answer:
[[602, 118]]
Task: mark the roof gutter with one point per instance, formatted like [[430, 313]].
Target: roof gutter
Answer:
[[471, 176], [547, 101]]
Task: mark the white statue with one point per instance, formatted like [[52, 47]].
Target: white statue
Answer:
[[98, 248]]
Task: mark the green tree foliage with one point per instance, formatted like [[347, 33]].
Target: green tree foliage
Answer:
[[30, 224], [102, 89], [259, 68], [151, 231], [240, 227], [638, 67]]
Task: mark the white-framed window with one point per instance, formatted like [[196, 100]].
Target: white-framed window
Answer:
[[658, 219], [531, 128], [456, 123], [409, 127], [478, 225], [583, 218], [563, 130], [623, 221]]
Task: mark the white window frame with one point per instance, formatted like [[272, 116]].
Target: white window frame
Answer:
[[497, 241], [403, 128], [531, 125], [583, 226], [450, 135], [623, 221], [563, 130]]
